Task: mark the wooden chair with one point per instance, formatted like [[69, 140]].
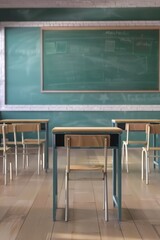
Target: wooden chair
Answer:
[[13, 142], [150, 151], [132, 127], [86, 141], [5, 150], [27, 129]]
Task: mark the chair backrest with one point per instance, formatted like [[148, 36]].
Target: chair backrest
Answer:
[[3, 133], [87, 141], [134, 127], [151, 129], [27, 127], [10, 129]]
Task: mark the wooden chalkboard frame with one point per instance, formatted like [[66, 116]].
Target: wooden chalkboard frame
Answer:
[[43, 90]]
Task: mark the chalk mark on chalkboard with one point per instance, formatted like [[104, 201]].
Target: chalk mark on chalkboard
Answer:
[[50, 48], [61, 46], [110, 45]]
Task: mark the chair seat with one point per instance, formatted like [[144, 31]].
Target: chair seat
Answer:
[[13, 143], [154, 149], [7, 149], [137, 142], [88, 167], [34, 141]]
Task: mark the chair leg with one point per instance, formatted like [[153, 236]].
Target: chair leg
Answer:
[[39, 154], [5, 169], [10, 171], [3, 164], [16, 160], [66, 195], [147, 174], [126, 150], [27, 157], [43, 156], [123, 156], [142, 164], [149, 170], [24, 156], [105, 196]]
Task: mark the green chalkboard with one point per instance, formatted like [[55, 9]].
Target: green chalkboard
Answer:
[[100, 60]]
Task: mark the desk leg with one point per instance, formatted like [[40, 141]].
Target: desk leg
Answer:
[[55, 182], [46, 147], [119, 182], [114, 176]]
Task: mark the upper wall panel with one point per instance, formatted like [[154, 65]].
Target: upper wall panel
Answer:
[[80, 14]]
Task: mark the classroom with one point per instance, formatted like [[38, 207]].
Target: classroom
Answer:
[[81, 64]]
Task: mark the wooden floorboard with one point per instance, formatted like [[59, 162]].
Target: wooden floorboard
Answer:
[[26, 203]]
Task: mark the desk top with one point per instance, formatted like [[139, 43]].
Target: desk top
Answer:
[[24, 120], [136, 120], [113, 130]]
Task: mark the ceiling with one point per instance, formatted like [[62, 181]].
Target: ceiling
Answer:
[[77, 3]]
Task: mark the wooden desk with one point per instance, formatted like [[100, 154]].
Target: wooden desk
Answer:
[[44, 127], [115, 143], [121, 122]]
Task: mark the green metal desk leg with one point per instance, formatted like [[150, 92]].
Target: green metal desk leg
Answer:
[[55, 182], [46, 147], [119, 181], [114, 176]]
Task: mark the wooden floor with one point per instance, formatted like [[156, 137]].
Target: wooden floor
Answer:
[[26, 204]]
